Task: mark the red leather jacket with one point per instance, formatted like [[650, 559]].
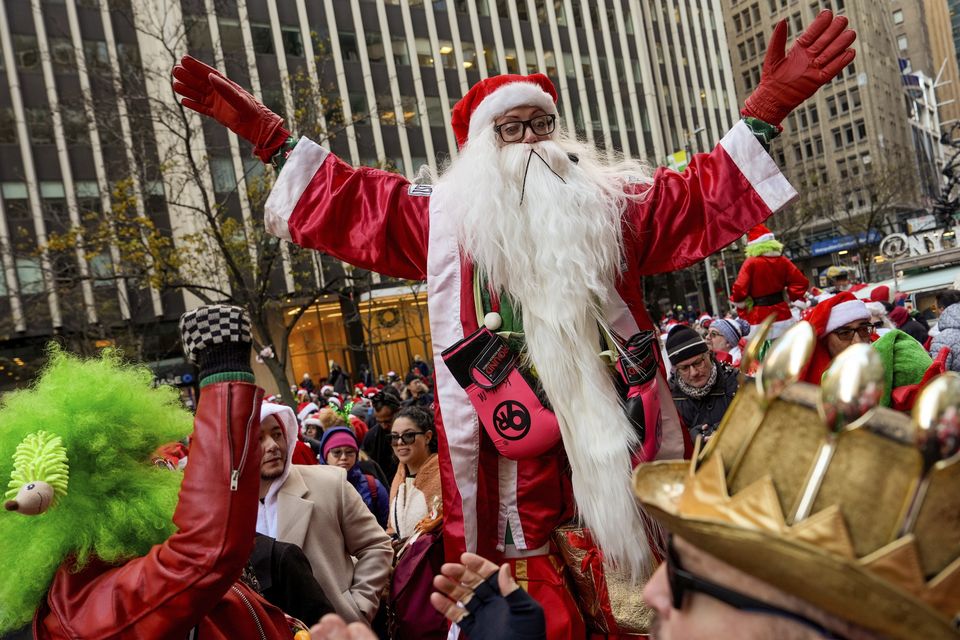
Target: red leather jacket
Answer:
[[190, 580]]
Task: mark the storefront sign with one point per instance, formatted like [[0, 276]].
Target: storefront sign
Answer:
[[899, 245], [839, 243]]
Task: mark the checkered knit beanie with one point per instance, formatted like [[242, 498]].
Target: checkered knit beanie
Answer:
[[217, 339]]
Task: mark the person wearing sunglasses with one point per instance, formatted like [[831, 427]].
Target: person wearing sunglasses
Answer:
[[746, 558], [416, 485], [416, 524], [695, 595], [843, 320]]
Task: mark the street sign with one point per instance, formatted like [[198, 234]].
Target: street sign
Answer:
[[678, 160]]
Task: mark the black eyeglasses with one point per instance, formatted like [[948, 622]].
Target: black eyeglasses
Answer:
[[407, 438], [514, 130], [682, 581], [846, 333], [696, 364]]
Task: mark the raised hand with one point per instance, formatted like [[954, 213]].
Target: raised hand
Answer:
[[207, 91], [818, 55], [486, 601]]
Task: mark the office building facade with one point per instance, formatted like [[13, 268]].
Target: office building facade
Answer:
[[834, 142], [85, 101]]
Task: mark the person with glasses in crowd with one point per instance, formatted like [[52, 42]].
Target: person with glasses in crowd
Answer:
[[415, 492], [416, 525], [702, 387], [539, 237], [843, 320], [723, 338], [339, 449]]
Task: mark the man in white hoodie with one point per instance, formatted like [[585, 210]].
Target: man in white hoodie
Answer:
[[315, 508]]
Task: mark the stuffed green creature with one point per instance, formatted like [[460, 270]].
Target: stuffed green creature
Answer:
[[75, 456]]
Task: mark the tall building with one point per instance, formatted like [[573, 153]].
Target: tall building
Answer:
[[954, 8], [925, 85], [88, 124], [945, 64], [831, 143]]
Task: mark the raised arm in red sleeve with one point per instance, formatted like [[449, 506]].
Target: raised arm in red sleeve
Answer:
[[369, 218], [168, 591], [740, 289], [684, 217]]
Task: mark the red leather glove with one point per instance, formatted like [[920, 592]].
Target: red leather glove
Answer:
[[819, 54], [207, 91]]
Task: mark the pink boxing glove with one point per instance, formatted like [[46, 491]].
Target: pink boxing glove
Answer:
[[511, 412], [638, 366]]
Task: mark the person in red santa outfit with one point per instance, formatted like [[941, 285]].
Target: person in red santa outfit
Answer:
[[534, 248], [767, 282], [843, 320]]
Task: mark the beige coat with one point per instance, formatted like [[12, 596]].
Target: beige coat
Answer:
[[318, 510]]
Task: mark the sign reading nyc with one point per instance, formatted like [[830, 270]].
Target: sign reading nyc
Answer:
[[898, 245]]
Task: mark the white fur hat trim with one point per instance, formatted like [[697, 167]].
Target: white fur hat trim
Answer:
[[514, 94]]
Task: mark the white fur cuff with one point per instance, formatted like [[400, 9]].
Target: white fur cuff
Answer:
[[845, 313]]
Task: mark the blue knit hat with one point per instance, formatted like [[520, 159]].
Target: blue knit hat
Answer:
[[731, 330]]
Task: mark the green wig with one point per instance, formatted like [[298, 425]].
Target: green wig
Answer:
[[97, 422], [767, 246]]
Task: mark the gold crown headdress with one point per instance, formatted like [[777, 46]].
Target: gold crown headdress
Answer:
[[861, 519]]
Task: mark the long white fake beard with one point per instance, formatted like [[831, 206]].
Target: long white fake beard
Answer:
[[556, 255]]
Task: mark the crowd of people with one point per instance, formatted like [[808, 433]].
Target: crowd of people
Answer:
[[559, 458], [704, 354]]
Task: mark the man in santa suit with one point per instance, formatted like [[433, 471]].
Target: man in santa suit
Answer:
[[769, 281], [531, 233]]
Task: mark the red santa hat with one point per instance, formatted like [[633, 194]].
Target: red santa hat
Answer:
[[828, 316], [880, 294], [494, 96], [836, 311], [759, 234]]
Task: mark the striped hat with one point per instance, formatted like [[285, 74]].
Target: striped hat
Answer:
[[684, 343]]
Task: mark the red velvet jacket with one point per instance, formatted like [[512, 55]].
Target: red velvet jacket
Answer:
[[190, 580], [380, 221], [767, 275]]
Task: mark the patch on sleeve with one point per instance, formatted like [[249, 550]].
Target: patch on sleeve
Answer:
[[424, 190]]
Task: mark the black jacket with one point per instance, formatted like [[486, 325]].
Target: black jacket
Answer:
[[703, 415], [287, 581], [377, 445], [915, 330]]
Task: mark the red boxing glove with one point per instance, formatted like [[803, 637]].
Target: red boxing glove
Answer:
[[207, 91], [819, 54]]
